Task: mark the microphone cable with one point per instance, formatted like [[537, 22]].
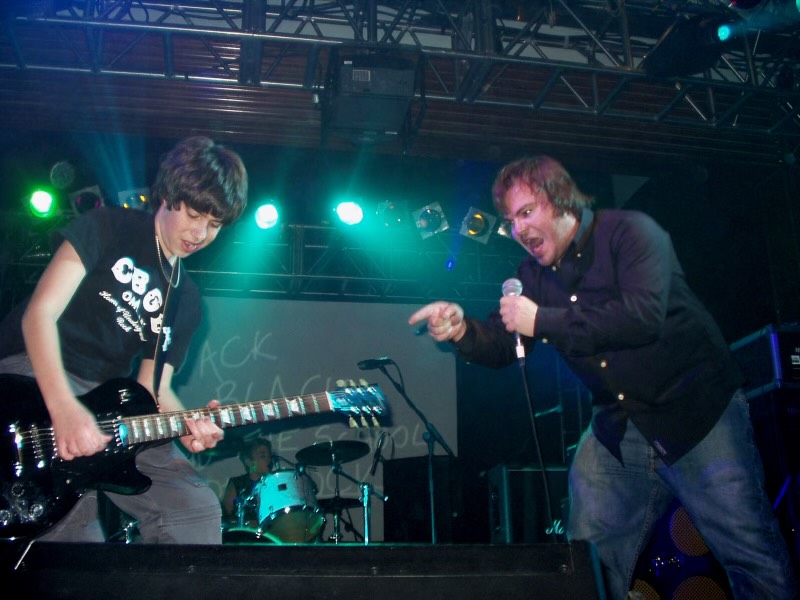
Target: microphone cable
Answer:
[[513, 287]]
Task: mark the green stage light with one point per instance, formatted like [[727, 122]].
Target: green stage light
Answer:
[[267, 215], [42, 204], [349, 212], [724, 32]]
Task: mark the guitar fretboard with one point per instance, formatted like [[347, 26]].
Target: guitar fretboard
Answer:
[[162, 426]]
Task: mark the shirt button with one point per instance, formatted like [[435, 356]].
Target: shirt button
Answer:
[[578, 255], [603, 364], [573, 298], [620, 396], [555, 268], [545, 341]]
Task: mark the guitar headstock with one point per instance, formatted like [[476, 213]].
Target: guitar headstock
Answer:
[[362, 401]]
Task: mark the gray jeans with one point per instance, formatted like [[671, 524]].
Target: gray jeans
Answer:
[[178, 508]]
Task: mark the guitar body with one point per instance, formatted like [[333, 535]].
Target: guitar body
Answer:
[[37, 489]]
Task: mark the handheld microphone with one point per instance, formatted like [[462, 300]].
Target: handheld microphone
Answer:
[[377, 457], [374, 363], [513, 287]]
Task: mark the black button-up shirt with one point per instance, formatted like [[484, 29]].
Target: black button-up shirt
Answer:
[[621, 314]]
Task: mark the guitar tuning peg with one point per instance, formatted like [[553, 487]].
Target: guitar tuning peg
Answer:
[[363, 421], [375, 422], [363, 382], [340, 383], [352, 383], [352, 423]]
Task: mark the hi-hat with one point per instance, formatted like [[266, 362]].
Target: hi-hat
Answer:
[[337, 505], [329, 453]]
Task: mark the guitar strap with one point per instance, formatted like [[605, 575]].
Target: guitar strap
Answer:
[[171, 303]]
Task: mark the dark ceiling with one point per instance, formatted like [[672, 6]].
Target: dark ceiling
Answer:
[[587, 81], [497, 79]]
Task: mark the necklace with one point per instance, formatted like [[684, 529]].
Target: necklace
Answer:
[[163, 270]]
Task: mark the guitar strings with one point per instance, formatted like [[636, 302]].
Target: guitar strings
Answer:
[[42, 439]]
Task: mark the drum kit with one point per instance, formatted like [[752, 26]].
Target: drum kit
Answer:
[[287, 505]]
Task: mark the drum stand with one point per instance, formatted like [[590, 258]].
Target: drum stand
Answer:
[[367, 491], [126, 534]]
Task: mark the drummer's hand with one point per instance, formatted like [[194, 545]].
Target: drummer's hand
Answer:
[[203, 433]]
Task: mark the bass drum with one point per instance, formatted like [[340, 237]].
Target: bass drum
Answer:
[[247, 535], [287, 507]]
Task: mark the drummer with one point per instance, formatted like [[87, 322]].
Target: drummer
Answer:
[[239, 503]]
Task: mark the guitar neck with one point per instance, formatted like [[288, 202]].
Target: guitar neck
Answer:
[[164, 426]]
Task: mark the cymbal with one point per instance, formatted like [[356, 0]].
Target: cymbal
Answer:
[[323, 454], [335, 505]]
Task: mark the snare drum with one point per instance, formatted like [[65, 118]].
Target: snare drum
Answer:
[[287, 507]]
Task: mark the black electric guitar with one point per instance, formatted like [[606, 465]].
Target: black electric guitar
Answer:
[[38, 488]]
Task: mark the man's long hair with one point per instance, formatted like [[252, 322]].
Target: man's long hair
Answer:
[[541, 173]]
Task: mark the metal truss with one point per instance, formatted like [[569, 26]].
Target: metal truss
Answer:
[[330, 263], [303, 262], [562, 57]]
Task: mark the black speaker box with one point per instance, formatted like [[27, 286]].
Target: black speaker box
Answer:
[[368, 94], [518, 510], [355, 572], [407, 513], [769, 359]]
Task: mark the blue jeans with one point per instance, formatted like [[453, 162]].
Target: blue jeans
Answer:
[[720, 483]]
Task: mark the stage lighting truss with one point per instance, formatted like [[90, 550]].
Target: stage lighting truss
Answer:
[[430, 220], [478, 225]]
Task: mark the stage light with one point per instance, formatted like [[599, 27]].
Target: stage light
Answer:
[[136, 199], [768, 15], [62, 175], [349, 212], [430, 220], [745, 4], [42, 204], [477, 225], [86, 199], [267, 215], [392, 213], [724, 32], [689, 46]]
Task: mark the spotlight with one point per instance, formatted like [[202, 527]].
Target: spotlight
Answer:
[[42, 204], [392, 213], [86, 199], [477, 225], [267, 215], [688, 47], [745, 4], [349, 212], [430, 220], [62, 174], [136, 199]]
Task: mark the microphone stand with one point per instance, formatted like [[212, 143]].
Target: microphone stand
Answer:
[[431, 437]]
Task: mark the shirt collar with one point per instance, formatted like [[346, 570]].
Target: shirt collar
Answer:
[[582, 235]]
